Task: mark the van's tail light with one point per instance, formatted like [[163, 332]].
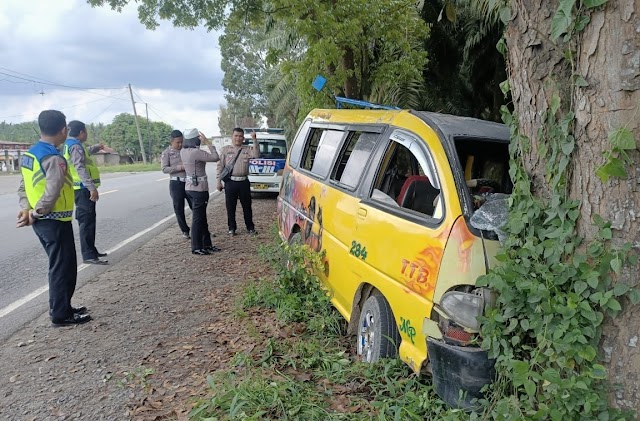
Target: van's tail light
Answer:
[[458, 335]]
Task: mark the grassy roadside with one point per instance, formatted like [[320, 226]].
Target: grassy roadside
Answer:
[[302, 366], [130, 168]]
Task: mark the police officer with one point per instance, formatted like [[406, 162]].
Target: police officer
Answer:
[[172, 165], [197, 188], [46, 199], [86, 180], [238, 187]]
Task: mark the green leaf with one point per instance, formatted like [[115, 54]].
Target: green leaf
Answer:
[[614, 168], [620, 289], [504, 87], [505, 14], [588, 353], [560, 23], [580, 287], [593, 3], [634, 296], [598, 372], [450, 11], [616, 264], [622, 138], [580, 81], [555, 103], [530, 387], [613, 304], [568, 147]]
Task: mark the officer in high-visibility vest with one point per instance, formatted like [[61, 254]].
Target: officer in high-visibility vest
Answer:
[[46, 199], [86, 180]]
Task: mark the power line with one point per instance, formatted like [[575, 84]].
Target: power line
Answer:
[[42, 80], [60, 108], [64, 86], [102, 112]]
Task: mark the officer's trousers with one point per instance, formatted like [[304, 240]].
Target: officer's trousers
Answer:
[[234, 190], [178, 196], [86, 216], [200, 235], [57, 239]]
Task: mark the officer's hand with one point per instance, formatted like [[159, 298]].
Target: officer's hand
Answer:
[[24, 218], [94, 196], [254, 136], [203, 138], [219, 186]]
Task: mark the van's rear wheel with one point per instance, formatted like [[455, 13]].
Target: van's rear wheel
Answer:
[[294, 240], [378, 336]]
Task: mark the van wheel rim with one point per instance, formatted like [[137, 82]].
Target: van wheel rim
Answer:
[[367, 337]]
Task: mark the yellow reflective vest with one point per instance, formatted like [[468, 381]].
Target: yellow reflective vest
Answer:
[[35, 182], [89, 165]]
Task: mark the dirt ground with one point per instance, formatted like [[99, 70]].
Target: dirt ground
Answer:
[[163, 321]]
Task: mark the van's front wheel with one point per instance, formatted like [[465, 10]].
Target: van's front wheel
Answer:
[[378, 336]]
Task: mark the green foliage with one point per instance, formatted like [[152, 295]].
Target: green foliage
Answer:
[[554, 290], [616, 159]]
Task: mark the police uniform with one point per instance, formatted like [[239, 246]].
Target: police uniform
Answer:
[[197, 188], [47, 188], [172, 165], [86, 178], [239, 186]]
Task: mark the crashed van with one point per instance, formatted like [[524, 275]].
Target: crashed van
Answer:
[[394, 199]]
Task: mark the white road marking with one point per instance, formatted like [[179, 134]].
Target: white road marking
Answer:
[[16, 304], [162, 179], [107, 192]]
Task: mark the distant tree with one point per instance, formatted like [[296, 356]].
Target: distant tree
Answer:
[[27, 132]]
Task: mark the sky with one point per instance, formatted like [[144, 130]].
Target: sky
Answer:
[[175, 71]]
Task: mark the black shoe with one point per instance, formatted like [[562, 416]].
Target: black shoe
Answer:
[[102, 254], [80, 310], [212, 249], [232, 233], [186, 235], [96, 261], [202, 252], [76, 319], [252, 232]]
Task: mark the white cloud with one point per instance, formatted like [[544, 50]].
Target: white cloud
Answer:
[[176, 71]]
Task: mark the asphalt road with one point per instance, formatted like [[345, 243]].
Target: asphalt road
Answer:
[[129, 204]]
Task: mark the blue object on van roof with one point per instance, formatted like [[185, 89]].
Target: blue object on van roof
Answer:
[[360, 103]]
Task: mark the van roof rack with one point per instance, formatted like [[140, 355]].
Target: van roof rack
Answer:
[[364, 104]]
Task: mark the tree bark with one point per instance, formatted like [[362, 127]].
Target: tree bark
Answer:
[[348, 65], [608, 57]]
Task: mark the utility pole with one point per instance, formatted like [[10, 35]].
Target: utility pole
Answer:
[[135, 117], [146, 107]]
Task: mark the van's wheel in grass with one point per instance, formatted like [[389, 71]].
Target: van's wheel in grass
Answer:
[[378, 335], [294, 240]]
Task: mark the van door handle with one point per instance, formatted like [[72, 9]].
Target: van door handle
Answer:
[[362, 212]]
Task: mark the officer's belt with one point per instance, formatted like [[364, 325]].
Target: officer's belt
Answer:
[[203, 178], [233, 178], [183, 179]]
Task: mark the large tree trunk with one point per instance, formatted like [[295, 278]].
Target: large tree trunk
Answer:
[[608, 56]]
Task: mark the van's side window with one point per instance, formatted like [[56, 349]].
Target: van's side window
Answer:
[[320, 150], [405, 180], [298, 144], [353, 158]]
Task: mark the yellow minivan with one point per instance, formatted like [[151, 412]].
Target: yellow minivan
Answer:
[[389, 196]]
